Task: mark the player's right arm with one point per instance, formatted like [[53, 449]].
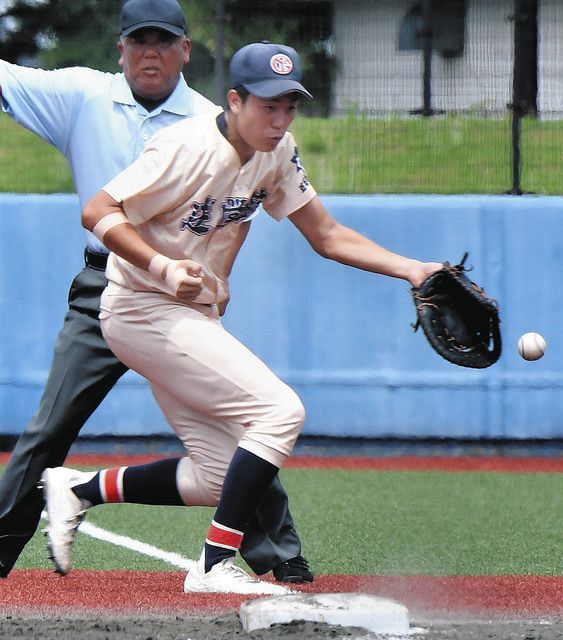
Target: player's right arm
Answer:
[[106, 219]]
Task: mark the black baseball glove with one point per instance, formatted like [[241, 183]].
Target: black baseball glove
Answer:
[[459, 319]]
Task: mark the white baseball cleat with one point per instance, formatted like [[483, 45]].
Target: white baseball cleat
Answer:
[[65, 511], [226, 577]]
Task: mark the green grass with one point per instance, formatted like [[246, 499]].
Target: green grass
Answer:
[[369, 522], [30, 165], [445, 155], [358, 155]]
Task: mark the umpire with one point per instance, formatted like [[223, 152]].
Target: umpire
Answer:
[[79, 110]]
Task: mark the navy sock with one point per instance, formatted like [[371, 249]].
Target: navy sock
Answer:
[[153, 483], [247, 481], [215, 554], [90, 491]]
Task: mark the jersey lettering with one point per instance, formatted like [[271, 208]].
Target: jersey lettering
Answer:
[[299, 167], [240, 209], [233, 209], [198, 221], [297, 161]]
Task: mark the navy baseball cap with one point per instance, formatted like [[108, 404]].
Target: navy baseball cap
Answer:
[[267, 70], [156, 14]]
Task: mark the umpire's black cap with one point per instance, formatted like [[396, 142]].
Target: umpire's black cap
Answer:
[[156, 14]]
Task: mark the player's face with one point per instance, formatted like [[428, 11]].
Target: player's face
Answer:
[[262, 123], [152, 60]]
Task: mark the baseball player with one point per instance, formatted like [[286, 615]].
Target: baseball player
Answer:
[[101, 122], [174, 221]]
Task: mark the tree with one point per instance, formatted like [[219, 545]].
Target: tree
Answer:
[[305, 25], [59, 33]]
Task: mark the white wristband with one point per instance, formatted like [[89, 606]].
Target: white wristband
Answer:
[[158, 264], [107, 223]]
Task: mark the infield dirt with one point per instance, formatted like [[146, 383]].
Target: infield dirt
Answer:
[[227, 627], [116, 605]]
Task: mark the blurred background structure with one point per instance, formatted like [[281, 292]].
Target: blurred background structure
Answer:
[[467, 90]]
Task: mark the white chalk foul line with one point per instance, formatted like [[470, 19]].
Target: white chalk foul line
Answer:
[[174, 559]]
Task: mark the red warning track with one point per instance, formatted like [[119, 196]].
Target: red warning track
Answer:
[[451, 464], [129, 592], [435, 463]]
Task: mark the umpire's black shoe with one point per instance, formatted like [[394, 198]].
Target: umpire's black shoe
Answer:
[[11, 545], [293, 570], [6, 565]]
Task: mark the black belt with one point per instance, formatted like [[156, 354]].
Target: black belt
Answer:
[[95, 260]]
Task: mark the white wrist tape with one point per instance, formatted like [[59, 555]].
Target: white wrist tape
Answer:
[[157, 266], [107, 223], [167, 270]]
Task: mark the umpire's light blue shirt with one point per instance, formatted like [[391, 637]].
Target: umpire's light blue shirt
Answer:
[[92, 118]]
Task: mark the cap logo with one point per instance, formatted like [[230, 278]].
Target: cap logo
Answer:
[[281, 64]]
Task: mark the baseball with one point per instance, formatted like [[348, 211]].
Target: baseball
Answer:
[[531, 346]]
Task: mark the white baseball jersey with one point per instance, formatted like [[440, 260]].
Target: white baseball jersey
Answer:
[[187, 195]]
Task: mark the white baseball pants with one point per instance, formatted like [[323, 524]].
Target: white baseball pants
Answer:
[[215, 393]]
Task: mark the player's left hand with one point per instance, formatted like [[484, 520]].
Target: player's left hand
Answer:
[[459, 319], [418, 273]]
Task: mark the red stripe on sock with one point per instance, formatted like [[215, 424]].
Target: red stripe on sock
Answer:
[[220, 537], [111, 488]]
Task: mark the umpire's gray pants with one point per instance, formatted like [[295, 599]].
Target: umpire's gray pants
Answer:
[[82, 373]]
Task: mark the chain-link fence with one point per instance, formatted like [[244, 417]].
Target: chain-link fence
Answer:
[[445, 96], [411, 96]]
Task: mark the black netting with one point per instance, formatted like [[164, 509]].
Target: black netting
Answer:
[[411, 96]]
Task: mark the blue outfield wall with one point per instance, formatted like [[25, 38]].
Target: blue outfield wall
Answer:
[[342, 338]]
